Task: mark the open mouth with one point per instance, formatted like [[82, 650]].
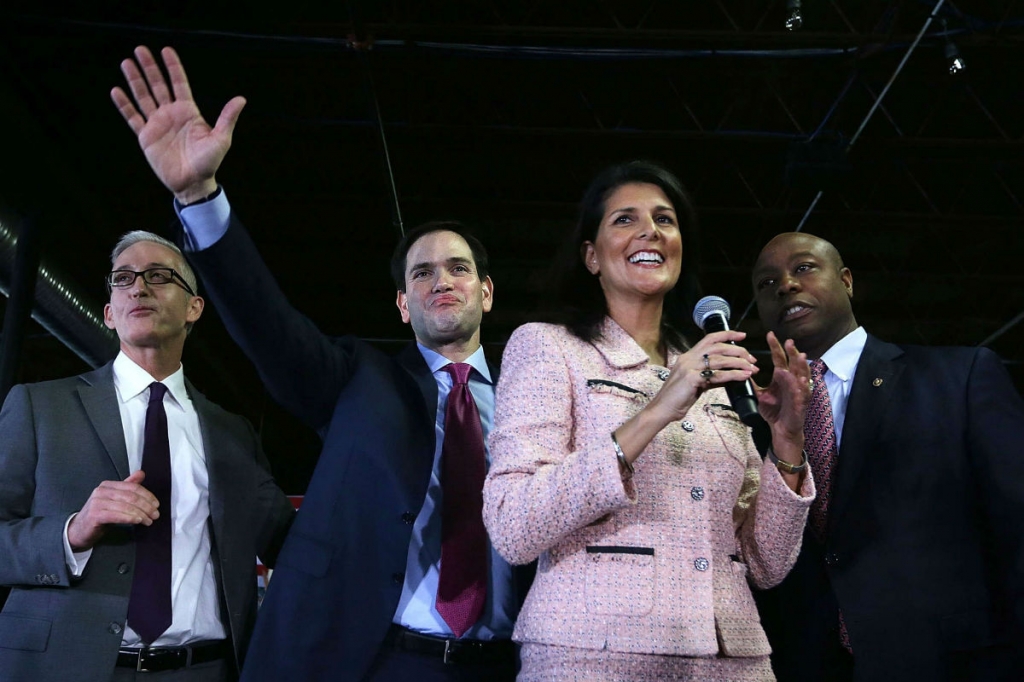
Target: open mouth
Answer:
[[794, 311], [647, 258]]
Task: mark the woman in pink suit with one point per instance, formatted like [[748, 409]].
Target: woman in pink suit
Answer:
[[617, 461]]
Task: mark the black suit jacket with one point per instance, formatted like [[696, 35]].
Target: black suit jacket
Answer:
[[58, 441], [925, 545], [339, 578]]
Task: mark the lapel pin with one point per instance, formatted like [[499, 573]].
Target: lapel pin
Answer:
[[877, 382]]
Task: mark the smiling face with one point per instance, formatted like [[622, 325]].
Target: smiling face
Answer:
[[444, 298], [638, 251], [803, 292], [150, 316]]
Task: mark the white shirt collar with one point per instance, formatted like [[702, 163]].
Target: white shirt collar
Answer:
[[842, 358], [131, 380], [436, 361]]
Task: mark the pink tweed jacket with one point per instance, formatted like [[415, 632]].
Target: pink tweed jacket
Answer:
[[659, 563]]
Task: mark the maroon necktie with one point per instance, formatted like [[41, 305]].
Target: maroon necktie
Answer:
[[462, 586], [820, 442], [149, 606]]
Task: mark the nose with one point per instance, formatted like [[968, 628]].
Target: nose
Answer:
[[650, 229], [443, 281], [787, 284], [139, 287]]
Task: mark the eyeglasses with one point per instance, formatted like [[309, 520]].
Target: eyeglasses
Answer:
[[122, 279]]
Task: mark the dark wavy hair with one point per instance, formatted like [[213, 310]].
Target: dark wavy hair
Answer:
[[476, 247], [576, 299]]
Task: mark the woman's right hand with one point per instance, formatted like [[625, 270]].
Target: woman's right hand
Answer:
[[689, 377], [711, 362]]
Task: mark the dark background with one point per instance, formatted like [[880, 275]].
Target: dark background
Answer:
[[497, 114]]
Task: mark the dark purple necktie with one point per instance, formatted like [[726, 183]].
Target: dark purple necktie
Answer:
[[820, 435], [149, 607], [462, 586], [820, 442]]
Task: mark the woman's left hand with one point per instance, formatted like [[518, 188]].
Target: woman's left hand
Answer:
[[783, 403]]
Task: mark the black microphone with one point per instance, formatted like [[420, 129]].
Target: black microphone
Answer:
[[712, 315]]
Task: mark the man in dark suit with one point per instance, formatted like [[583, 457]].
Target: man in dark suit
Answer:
[[357, 590], [77, 499], [912, 568]]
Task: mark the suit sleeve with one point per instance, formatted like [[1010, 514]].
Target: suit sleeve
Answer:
[[996, 448], [31, 546], [544, 483], [303, 369]]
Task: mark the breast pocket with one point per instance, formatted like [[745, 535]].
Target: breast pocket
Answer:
[[620, 581]]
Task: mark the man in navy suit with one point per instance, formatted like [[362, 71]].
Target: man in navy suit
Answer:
[[353, 593], [75, 499], [917, 571]]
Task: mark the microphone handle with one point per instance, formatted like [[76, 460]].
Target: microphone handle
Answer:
[[741, 393]]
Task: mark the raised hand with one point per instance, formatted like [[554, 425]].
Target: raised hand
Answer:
[[182, 149], [112, 502], [783, 403]]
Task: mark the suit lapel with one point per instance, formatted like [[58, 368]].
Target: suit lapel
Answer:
[[412, 361], [99, 398], [878, 374], [218, 467]]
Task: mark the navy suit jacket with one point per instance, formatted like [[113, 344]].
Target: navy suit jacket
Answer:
[[925, 546], [339, 578], [58, 441]]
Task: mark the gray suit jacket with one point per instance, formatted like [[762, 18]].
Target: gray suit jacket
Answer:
[[58, 441]]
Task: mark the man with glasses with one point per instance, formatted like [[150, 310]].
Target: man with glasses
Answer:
[[132, 509]]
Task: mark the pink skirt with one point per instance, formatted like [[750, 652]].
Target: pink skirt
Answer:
[[543, 663]]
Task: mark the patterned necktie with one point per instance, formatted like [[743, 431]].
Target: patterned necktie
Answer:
[[820, 437], [462, 586], [820, 441], [149, 606]]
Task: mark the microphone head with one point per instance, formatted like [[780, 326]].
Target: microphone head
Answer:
[[707, 306]]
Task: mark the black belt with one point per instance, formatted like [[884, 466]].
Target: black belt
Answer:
[[467, 651], [158, 658]]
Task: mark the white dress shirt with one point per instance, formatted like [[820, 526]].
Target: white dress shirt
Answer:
[[194, 600], [842, 359]]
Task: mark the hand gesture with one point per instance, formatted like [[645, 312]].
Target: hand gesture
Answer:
[[714, 361], [112, 502], [783, 403], [182, 149]]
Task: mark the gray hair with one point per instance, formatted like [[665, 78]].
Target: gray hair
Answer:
[[134, 237]]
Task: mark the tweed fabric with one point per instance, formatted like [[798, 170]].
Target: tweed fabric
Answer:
[[656, 564], [544, 663]]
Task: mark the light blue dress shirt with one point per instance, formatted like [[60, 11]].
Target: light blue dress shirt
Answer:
[[842, 360]]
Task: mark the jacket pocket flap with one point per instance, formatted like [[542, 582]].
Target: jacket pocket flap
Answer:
[[24, 634]]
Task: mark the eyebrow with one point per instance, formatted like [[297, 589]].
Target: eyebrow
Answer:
[[153, 264], [626, 209]]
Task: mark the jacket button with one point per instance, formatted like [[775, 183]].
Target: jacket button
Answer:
[[398, 578], [697, 493], [831, 559], [122, 569], [688, 426], [701, 564], [408, 517], [114, 628]]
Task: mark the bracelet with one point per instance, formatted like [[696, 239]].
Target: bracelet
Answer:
[[619, 455], [786, 467]]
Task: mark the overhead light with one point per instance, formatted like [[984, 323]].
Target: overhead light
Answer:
[[794, 18], [954, 61]]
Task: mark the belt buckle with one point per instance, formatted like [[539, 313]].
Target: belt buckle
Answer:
[[138, 661], [448, 651]]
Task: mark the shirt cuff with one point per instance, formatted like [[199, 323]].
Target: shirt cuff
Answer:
[[76, 561], [206, 222]]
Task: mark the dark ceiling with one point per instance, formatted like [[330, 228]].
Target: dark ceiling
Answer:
[[498, 113]]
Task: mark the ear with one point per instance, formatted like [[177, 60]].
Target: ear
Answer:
[[589, 256], [847, 277], [195, 309], [403, 306], [108, 316], [488, 293]]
